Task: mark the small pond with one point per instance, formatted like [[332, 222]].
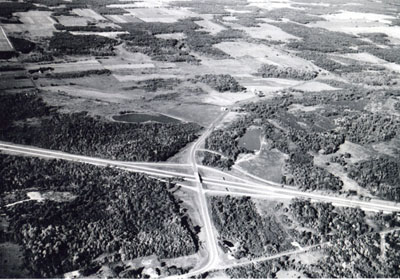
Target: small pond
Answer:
[[251, 140], [140, 118]]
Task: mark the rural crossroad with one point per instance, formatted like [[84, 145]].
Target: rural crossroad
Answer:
[[245, 187], [204, 185]]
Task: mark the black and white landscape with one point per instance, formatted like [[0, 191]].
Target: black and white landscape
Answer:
[[199, 139]]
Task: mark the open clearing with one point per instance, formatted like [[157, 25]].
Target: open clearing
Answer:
[[210, 27], [5, 44], [37, 23], [161, 14], [265, 55], [355, 23], [88, 13], [267, 31], [84, 65]]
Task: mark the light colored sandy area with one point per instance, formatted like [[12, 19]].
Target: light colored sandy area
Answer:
[[85, 92], [229, 18], [265, 55], [176, 36], [225, 98], [129, 66], [88, 13], [112, 35], [369, 58], [356, 23], [161, 14], [302, 108], [314, 86], [268, 31], [210, 26], [273, 4], [355, 17], [35, 196]]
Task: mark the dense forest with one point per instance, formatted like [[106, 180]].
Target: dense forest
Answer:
[[354, 243], [220, 83], [91, 216], [65, 43], [240, 225], [86, 135]]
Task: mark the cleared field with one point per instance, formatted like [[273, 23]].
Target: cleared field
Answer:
[[37, 23], [268, 31], [129, 66], [314, 86], [138, 78], [88, 13], [72, 20], [5, 44], [210, 26], [123, 18], [271, 5], [265, 54], [112, 35], [161, 14], [356, 23], [176, 36], [84, 65]]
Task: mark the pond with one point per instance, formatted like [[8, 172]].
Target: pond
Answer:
[[251, 140], [140, 118]]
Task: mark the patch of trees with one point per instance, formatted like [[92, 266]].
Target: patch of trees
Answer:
[[216, 160], [366, 128], [380, 176], [302, 173], [226, 142], [377, 37], [154, 28], [389, 54], [15, 107], [373, 78], [86, 28], [322, 60], [64, 43], [153, 85], [92, 136], [319, 39], [202, 42], [77, 74], [260, 270], [116, 216], [238, 222], [159, 49], [328, 222], [22, 45], [220, 82], [273, 71], [292, 15], [8, 8]]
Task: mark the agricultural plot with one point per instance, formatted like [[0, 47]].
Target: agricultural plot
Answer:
[[5, 44], [36, 23], [268, 32], [72, 20], [357, 23], [210, 26], [265, 55], [88, 13], [161, 14], [84, 65]]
